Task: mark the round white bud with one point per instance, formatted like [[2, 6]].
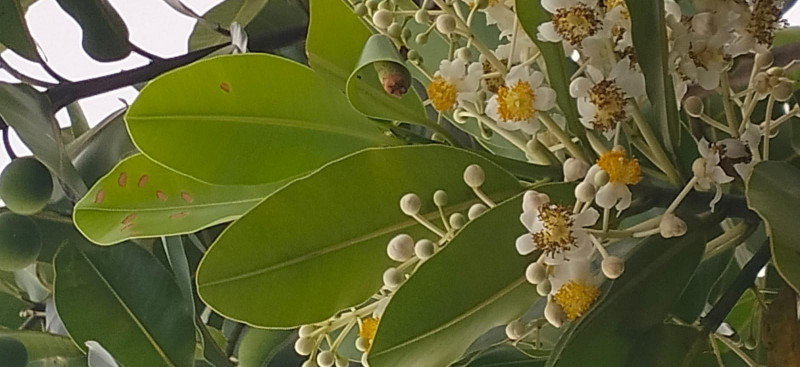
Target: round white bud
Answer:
[[440, 198], [372, 4], [544, 287], [783, 91], [342, 361], [362, 344], [672, 226], [776, 71], [533, 200], [612, 267], [476, 210], [699, 167], [515, 330], [309, 363], [575, 169], [385, 4], [306, 330], [585, 192], [304, 346], [395, 30], [424, 249], [554, 314], [422, 16], [761, 83], [464, 53], [764, 60], [446, 24], [400, 248], [392, 278], [457, 220], [360, 9], [421, 38], [535, 273], [410, 204], [413, 55], [326, 359], [693, 106], [474, 176], [382, 18], [601, 178]]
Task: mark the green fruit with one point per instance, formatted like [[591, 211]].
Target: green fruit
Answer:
[[20, 241], [26, 186], [13, 352]]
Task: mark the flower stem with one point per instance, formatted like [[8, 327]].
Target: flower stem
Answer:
[[767, 127], [730, 116], [562, 136], [658, 152]]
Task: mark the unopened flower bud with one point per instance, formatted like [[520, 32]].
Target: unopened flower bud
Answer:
[[309, 363], [385, 4], [457, 220], [585, 192], [392, 278], [422, 16], [342, 361], [774, 81], [750, 343], [446, 24], [362, 344], [406, 35], [544, 287], [421, 38], [575, 169], [554, 314], [474, 176], [424, 249], [372, 4], [400, 248], [360, 9], [306, 330], [693, 106], [761, 83], [783, 91], [476, 210], [515, 330], [304, 346], [394, 30], [394, 77], [535, 273], [464, 53], [410, 204], [413, 55], [776, 71], [382, 18], [326, 359], [699, 167], [533, 200], [440, 198], [764, 60], [672, 226], [601, 178], [612, 267]]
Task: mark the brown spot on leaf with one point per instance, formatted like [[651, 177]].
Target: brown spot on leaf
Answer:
[[186, 197], [225, 87], [161, 195], [100, 197], [178, 215], [127, 227], [123, 179], [143, 180], [129, 219]]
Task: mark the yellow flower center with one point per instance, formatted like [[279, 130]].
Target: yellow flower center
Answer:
[[441, 93], [765, 20], [516, 103], [610, 102], [368, 328], [611, 4], [576, 298], [576, 23], [620, 168], [556, 236]]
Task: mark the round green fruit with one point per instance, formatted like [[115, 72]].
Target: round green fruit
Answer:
[[13, 352], [20, 241], [26, 186]]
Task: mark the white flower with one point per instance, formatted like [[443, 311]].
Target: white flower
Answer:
[[621, 171], [573, 20], [453, 83], [574, 288], [708, 172], [517, 104], [602, 101]]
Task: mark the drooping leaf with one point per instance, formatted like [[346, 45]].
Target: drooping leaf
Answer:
[[771, 195], [335, 39], [694, 298], [249, 119], [14, 32], [668, 346], [140, 198], [474, 284], [129, 293], [29, 112], [261, 347], [10, 308], [97, 151], [105, 35], [42, 345], [337, 220], [224, 14]]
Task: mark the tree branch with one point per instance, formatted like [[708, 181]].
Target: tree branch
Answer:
[[66, 93]]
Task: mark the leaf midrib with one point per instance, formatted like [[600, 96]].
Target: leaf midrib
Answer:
[[170, 208]]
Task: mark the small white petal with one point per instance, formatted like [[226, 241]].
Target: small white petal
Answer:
[[587, 218], [525, 244], [580, 87], [545, 99], [547, 33]]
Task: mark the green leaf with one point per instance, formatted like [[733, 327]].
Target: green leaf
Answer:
[[14, 32], [98, 150], [30, 114], [483, 285], [335, 39], [259, 347], [668, 346], [695, 297], [238, 126], [10, 308], [656, 272], [337, 220], [224, 14], [140, 198], [771, 194], [129, 293], [105, 35], [650, 40], [502, 356], [42, 345], [367, 95], [531, 14]]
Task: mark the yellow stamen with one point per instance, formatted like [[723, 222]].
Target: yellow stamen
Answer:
[[576, 23], [368, 328], [611, 4], [516, 103], [556, 236], [576, 298], [442, 94], [610, 102], [620, 168]]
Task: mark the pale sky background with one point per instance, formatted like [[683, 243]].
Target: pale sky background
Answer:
[[153, 26]]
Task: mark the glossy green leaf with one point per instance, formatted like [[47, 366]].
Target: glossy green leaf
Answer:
[[259, 347], [668, 346], [335, 40], [649, 33], [238, 126], [42, 345], [474, 284], [129, 293], [224, 14], [366, 94], [656, 272], [694, 298], [98, 150], [140, 198], [277, 19], [531, 14], [10, 308], [502, 356], [105, 35], [337, 220], [29, 113], [772, 194], [14, 32]]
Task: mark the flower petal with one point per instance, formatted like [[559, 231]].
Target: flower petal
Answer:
[[587, 218], [525, 244]]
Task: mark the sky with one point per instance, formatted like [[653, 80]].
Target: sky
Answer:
[[153, 26]]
